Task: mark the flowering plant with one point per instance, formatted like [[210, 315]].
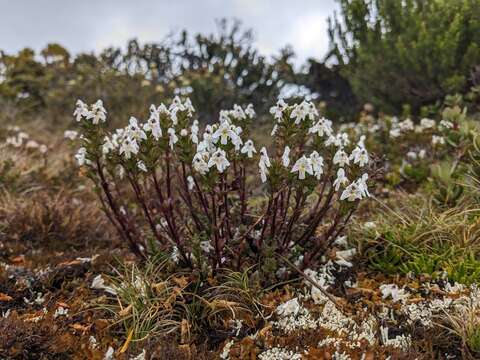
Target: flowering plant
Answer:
[[409, 148], [216, 199]]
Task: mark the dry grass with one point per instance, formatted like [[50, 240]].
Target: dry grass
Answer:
[[57, 220]]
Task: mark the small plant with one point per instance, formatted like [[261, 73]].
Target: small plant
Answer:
[[169, 188], [446, 184], [153, 300], [464, 322]]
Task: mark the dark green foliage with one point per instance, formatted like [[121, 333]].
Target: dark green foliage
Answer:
[[413, 51], [330, 87]]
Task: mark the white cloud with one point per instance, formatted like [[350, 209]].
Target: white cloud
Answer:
[[309, 35], [93, 25]]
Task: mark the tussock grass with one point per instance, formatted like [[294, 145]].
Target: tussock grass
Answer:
[[464, 324], [411, 233], [152, 300]]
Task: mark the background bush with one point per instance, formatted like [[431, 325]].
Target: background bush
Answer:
[[415, 51], [216, 70]]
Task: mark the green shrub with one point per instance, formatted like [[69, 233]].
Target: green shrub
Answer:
[[416, 51]]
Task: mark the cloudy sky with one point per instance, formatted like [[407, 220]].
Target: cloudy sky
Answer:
[[86, 25]]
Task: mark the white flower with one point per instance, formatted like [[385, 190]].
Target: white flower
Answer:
[[173, 138], [81, 110], [356, 190], [205, 246], [219, 159], [128, 147], [133, 131], [422, 153], [249, 111], [60, 311], [187, 104], [43, 148], [362, 185], [224, 132], [194, 132], [200, 162], [438, 140], [302, 111], [225, 355], [291, 307], [109, 354], [394, 132], [264, 157], [412, 155], [341, 179], [302, 166], [153, 124], [322, 127], [351, 192], [317, 164], [341, 158], [427, 123], [141, 165], [109, 145], [238, 112], [393, 291], [374, 128], [190, 182], [361, 141], [277, 110], [285, 156], [274, 130], [248, 148], [39, 300], [99, 284], [14, 141], [341, 241], [93, 344], [224, 116], [359, 156], [70, 134], [98, 113], [263, 170], [446, 124], [175, 255], [406, 125], [238, 130], [177, 106], [155, 112], [81, 156], [263, 164], [237, 140], [207, 143], [340, 140]]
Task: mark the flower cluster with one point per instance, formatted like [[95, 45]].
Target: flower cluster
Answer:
[[193, 189], [21, 140], [410, 146]]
